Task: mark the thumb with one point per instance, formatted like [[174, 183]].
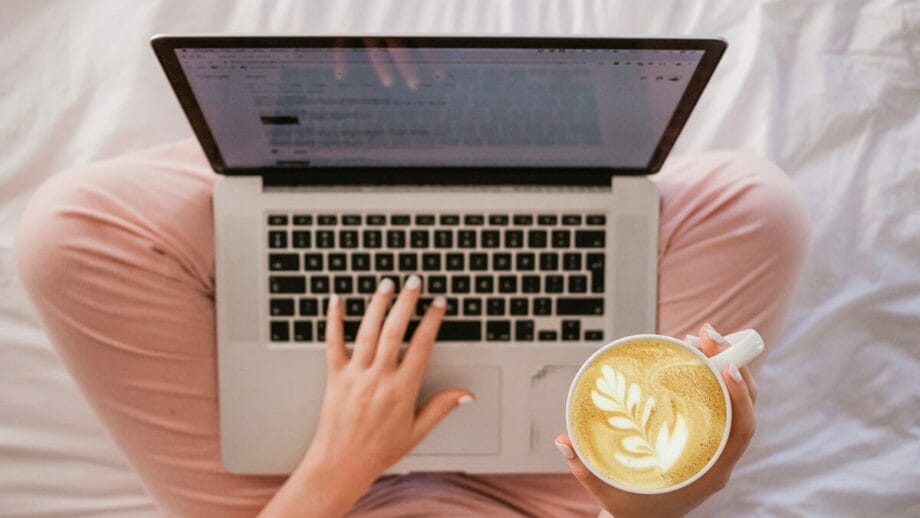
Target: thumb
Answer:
[[593, 484], [436, 409]]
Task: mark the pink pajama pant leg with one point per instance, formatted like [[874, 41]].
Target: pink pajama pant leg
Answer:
[[118, 259]]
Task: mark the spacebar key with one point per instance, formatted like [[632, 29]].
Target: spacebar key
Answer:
[[580, 306], [460, 330]]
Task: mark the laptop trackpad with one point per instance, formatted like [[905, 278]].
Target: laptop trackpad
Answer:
[[472, 429]]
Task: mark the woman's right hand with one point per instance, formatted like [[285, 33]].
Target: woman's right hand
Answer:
[[368, 419]]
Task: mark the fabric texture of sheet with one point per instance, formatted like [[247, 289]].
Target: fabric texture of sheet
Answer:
[[828, 90]]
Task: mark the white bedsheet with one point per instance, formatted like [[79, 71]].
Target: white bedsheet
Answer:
[[830, 90]]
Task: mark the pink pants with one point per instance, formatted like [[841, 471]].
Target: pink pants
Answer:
[[118, 259]]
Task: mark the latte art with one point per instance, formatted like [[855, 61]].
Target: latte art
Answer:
[[648, 414]]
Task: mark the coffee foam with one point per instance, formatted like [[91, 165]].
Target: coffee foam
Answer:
[[648, 414]]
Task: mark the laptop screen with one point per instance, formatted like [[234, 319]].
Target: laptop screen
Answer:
[[286, 107]]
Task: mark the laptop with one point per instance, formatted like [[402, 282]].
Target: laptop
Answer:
[[509, 173]]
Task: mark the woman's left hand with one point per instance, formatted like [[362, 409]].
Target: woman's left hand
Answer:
[[623, 504]]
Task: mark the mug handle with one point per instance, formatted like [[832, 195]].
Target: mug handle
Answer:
[[745, 346]]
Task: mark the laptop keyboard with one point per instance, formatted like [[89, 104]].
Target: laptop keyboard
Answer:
[[506, 277]]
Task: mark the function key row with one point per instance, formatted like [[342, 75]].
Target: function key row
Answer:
[[439, 238], [442, 219]]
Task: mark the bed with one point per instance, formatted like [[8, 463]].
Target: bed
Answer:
[[829, 90]]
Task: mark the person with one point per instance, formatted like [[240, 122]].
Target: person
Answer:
[[117, 257]]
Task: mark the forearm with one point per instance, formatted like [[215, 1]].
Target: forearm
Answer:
[[314, 489]]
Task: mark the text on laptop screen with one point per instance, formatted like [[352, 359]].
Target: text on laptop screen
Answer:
[[459, 107]]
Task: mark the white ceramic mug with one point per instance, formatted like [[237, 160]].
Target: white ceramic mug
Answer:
[[744, 346]]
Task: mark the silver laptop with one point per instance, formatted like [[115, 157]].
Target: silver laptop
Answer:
[[508, 172]]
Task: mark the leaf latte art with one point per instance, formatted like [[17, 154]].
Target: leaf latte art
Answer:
[[648, 414]]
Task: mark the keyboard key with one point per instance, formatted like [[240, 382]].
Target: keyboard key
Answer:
[[523, 330], [422, 305], [350, 328], [277, 219], [501, 262], [372, 238], [319, 284], [555, 284], [283, 262], [498, 330], [443, 239], [484, 284], [566, 306], [460, 283], [571, 330], [459, 330], [536, 238], [327, 219], [594, 334], [453, 307], [303, 219], [396, 238], [431, 262], [351, 220], [313, 262], [491, 239], [466, 238], [549, 261], [300, 238], [309, 307], [383, 262], [287, 284], [495, 306], [348, 239], [561, 238], [303, 331], [547, 219], [449, 219], [400, 219], [325, 239], [367, 284], [530, 284], [542, 306], [596, 219], [360, 262], [280, 331], [479, 262], [547, 336], [589, 238], [518, 306], [571, 261], [354, 306], [277, 239], [321, 330], [324, 308], [507, 284], [437, 284], [523, 219], [514, 238], [473, 219], [394, 278], [524, 261], [578, 283], [454, 262], [424, 219], [338, 262], [498, 219], [418, 238], [472, 306], [571, 219], [376, 219], [408, 262], [342, 284], [595, 265], [281, 307]]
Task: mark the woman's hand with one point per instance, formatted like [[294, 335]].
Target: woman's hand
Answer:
[[622, 504], [368, 420]]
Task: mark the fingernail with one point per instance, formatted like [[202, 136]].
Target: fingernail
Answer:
[[413, 282], [464, 399], [693, 341], [333, 301], [385, 286], [439, 302], [565, 450], [735, 373], [715, 336]]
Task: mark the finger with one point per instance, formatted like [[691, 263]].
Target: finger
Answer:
[[401, 57], [711, 342], [378, 55], [748, 377], [336, 357], [339, 59], [369, 330], [422, 341], [743, 423], [594, 485], [394, 328], [437, 409]]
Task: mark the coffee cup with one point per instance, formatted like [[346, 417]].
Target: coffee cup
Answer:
[[651, 414]]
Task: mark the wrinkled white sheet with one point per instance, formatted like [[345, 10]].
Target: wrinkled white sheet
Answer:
[[830, 90]]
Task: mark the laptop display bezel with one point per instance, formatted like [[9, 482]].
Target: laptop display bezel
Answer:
[[164, 46]]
